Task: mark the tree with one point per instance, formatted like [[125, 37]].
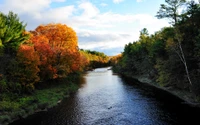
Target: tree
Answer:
[[12, 33], [170, 11], [95, 59], [2, 30], [28, 62], [46, 57], [144, 31], [57, 47]]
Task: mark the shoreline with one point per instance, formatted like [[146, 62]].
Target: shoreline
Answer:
[[46, 99], [187, 97]]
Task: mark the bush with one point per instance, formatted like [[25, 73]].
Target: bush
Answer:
[[4, 119], [8, 106], [3, 84]]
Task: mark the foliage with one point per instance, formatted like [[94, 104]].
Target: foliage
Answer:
[[95, 59], [28, 61], [39, 59], [170, 10], [50, 53], [163, 56], [12, 32], [115, 59], [56, 45], [13, 106], [3, 84]]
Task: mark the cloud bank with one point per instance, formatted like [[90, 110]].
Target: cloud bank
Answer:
[[104, 31]]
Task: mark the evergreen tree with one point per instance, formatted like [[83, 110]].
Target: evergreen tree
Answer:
[[12, 33]]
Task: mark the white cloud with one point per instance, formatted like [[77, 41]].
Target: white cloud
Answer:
[[89, 9], [118, 1], [104, 41], [58, 14], [38, 12], [25, 6], [103, 31]]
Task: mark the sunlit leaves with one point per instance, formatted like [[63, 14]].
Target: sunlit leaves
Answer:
[[95, 59], [57, 47], [47, 53], [59, 35], [11, 32], [25, 70]]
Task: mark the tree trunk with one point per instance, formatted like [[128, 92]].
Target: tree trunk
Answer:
[[182, 57]]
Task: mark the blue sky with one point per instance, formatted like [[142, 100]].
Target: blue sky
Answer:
[[101, 25]]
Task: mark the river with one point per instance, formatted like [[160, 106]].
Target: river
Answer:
[[105, 98]]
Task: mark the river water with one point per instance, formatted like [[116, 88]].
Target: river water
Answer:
[[105, 98]]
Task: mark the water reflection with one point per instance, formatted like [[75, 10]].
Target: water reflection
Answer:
[[106, 99]]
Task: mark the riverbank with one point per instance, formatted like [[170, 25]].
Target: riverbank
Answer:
[[14, 107], [188, 97]]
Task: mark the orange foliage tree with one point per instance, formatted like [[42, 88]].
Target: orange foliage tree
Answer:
[[94, 59], [51, 52], [46, 57], [115, 59], [29, 58], [57, 47], [23, 71]]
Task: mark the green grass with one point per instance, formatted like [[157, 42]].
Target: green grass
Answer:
[[14, 106]]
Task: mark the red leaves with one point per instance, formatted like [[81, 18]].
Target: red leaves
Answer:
[[50, 53], [28, 61], [56, 49], [28, 55]]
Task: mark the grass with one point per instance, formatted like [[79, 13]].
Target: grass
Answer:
[[13, 106]]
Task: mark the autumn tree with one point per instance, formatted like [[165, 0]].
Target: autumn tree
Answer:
[[114, 62], [22, 71], [46, 57], [84, 59], [28, 61], [96, 59], [57, 47]]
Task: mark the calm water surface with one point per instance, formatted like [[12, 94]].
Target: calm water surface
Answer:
[[107, 99]]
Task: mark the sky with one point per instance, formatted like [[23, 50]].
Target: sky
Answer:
[[101, 25]]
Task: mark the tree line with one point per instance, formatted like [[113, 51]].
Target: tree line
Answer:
[[171, 56], [33, 57]]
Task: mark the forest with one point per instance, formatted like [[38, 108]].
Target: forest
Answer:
[[31, 62], [169, 57], [40, 67]]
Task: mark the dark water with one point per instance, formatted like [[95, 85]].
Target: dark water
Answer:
[[107, 99]]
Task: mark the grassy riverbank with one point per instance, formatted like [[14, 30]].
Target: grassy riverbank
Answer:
[[13, 106]]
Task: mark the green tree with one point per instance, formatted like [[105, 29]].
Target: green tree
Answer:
[[2, 30], [170, 11], [12, 32], [144, 31], [190, 26]]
